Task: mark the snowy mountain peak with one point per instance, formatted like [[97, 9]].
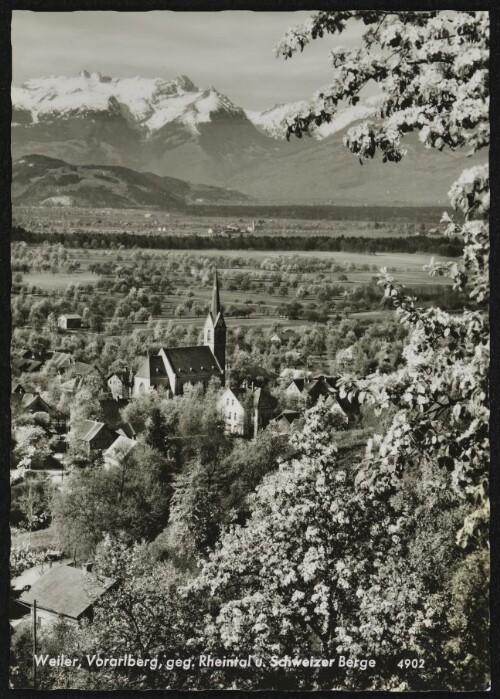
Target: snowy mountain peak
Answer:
[[148, 103], [274, 121]]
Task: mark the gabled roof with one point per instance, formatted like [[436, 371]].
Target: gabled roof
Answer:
[[26, 365], [29, 400], [82, 368], [255, 371], [66, 590], [299, 383], [23, 353], [283, 334], [71, 316], [88, 430], [288, 415], [130, 429], [72, 385], [263, 400], [122, 374], [121, 447], [152, 368], [61, 359], [18, 388], [192, 361]]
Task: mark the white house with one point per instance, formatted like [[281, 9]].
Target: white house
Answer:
[[69, 321]]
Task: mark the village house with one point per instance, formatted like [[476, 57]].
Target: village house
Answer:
[[22, 403], [246, 411], [61, 362], [282, 337], [287, 421], [120, 383], [69, 321], [18, 388], [22, 365], [72, 386], [93, 436], [311, 389], [117, 453], [174, 367], [64, 592]]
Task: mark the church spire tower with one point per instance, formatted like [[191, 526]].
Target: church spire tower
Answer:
[[214, 333]]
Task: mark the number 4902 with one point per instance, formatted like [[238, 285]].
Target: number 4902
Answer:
[[414, 663]]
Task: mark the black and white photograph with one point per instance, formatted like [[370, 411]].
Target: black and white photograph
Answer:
[[249, 383]]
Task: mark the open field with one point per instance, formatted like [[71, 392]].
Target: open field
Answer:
[[41, 539], [348, 221]]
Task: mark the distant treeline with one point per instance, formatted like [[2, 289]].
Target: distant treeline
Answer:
[[409, 214], [81, 239]]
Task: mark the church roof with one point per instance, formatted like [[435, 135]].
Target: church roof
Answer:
[[190, 361], [152, 368]]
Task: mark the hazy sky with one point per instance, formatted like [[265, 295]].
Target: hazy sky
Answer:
[[231, 51]]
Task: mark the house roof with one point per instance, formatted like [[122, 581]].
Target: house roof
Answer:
[[82, 368], [283, 335], [299, 383], [121, 447], [255, 371], [27, 365], [72, 385], [18, 388], [88, 430], [66, 590], [122, 374], [288, 415], [263, 400], [130, 429], [23, 353], [29, 400], [61, 359], [192, 361], [152, 368], [71, 316]]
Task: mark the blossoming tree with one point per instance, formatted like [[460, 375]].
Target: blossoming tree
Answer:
[[377, 562]]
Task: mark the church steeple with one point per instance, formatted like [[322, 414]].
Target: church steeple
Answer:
[[214, 333], [216, 307]]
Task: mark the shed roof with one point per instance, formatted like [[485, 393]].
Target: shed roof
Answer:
[[66, 590]]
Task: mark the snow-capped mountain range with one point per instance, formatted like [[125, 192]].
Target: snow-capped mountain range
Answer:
[[145, 102], [152, 103], [174, 128]]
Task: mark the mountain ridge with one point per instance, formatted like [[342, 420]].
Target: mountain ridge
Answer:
[[39, 180], [177, 129]]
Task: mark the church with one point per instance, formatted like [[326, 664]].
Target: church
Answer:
[[173, 367]]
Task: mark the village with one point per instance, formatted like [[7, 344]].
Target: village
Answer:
[[49, 442]]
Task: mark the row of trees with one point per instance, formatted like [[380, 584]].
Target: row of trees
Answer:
[[411, 244]]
